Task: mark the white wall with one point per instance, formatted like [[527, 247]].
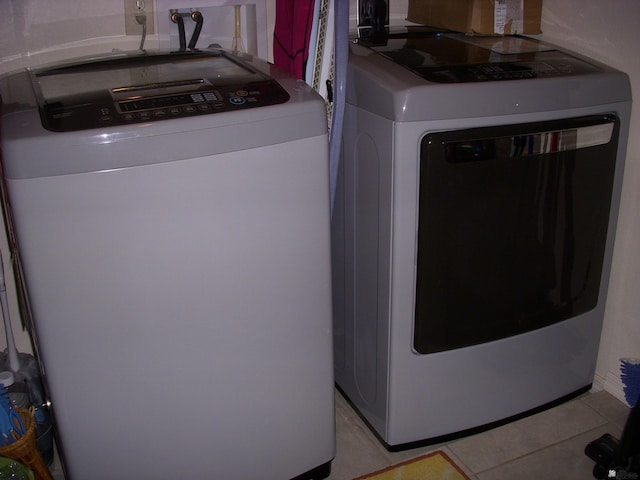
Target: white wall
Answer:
[[37, 30]]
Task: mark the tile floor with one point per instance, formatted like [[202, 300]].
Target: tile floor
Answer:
[[548, 445]]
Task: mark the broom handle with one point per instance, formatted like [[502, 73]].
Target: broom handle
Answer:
[[14, 363]]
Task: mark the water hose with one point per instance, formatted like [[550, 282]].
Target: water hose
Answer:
[[199, 19], [177, 18]]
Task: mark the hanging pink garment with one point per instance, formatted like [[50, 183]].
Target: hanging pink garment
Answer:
[[294, 20]]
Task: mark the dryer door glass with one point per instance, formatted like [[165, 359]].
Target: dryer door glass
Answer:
[[512, 229]]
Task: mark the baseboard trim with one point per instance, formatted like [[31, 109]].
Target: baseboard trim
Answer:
[[611, 383]]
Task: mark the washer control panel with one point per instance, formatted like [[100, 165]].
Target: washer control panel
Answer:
[[146, 89]]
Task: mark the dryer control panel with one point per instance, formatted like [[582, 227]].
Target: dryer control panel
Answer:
[[149, 87]]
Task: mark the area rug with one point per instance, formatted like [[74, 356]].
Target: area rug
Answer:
[[433, 466]]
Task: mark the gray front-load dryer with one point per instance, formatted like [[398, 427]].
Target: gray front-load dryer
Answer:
[[171, 212], [473, 228]]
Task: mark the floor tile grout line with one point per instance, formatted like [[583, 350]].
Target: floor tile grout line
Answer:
[[468, 470], [538, 450], [607, 418], [603, 420]]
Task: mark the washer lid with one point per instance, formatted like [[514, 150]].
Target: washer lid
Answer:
[[141, 86]]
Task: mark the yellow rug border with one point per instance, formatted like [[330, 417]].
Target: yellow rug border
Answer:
[[416, 459]]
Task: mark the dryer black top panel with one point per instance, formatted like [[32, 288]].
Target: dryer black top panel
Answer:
[[456, 58]]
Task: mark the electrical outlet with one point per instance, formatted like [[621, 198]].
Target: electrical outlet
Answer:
[[137, 8]]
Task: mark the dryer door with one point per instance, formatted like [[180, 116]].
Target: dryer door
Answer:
[[513, 225]]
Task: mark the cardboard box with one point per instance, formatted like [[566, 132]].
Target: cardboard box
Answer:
[[478, 17]]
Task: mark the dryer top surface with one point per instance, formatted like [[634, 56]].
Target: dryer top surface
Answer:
[[417, 74]]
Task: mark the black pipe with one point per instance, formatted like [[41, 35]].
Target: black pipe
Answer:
[[199, 19], [177, 18]]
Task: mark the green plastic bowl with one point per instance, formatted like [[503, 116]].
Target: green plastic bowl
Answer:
[[9, 466]]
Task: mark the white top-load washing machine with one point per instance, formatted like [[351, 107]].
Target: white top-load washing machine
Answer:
[[473, 228], [171, 215]]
